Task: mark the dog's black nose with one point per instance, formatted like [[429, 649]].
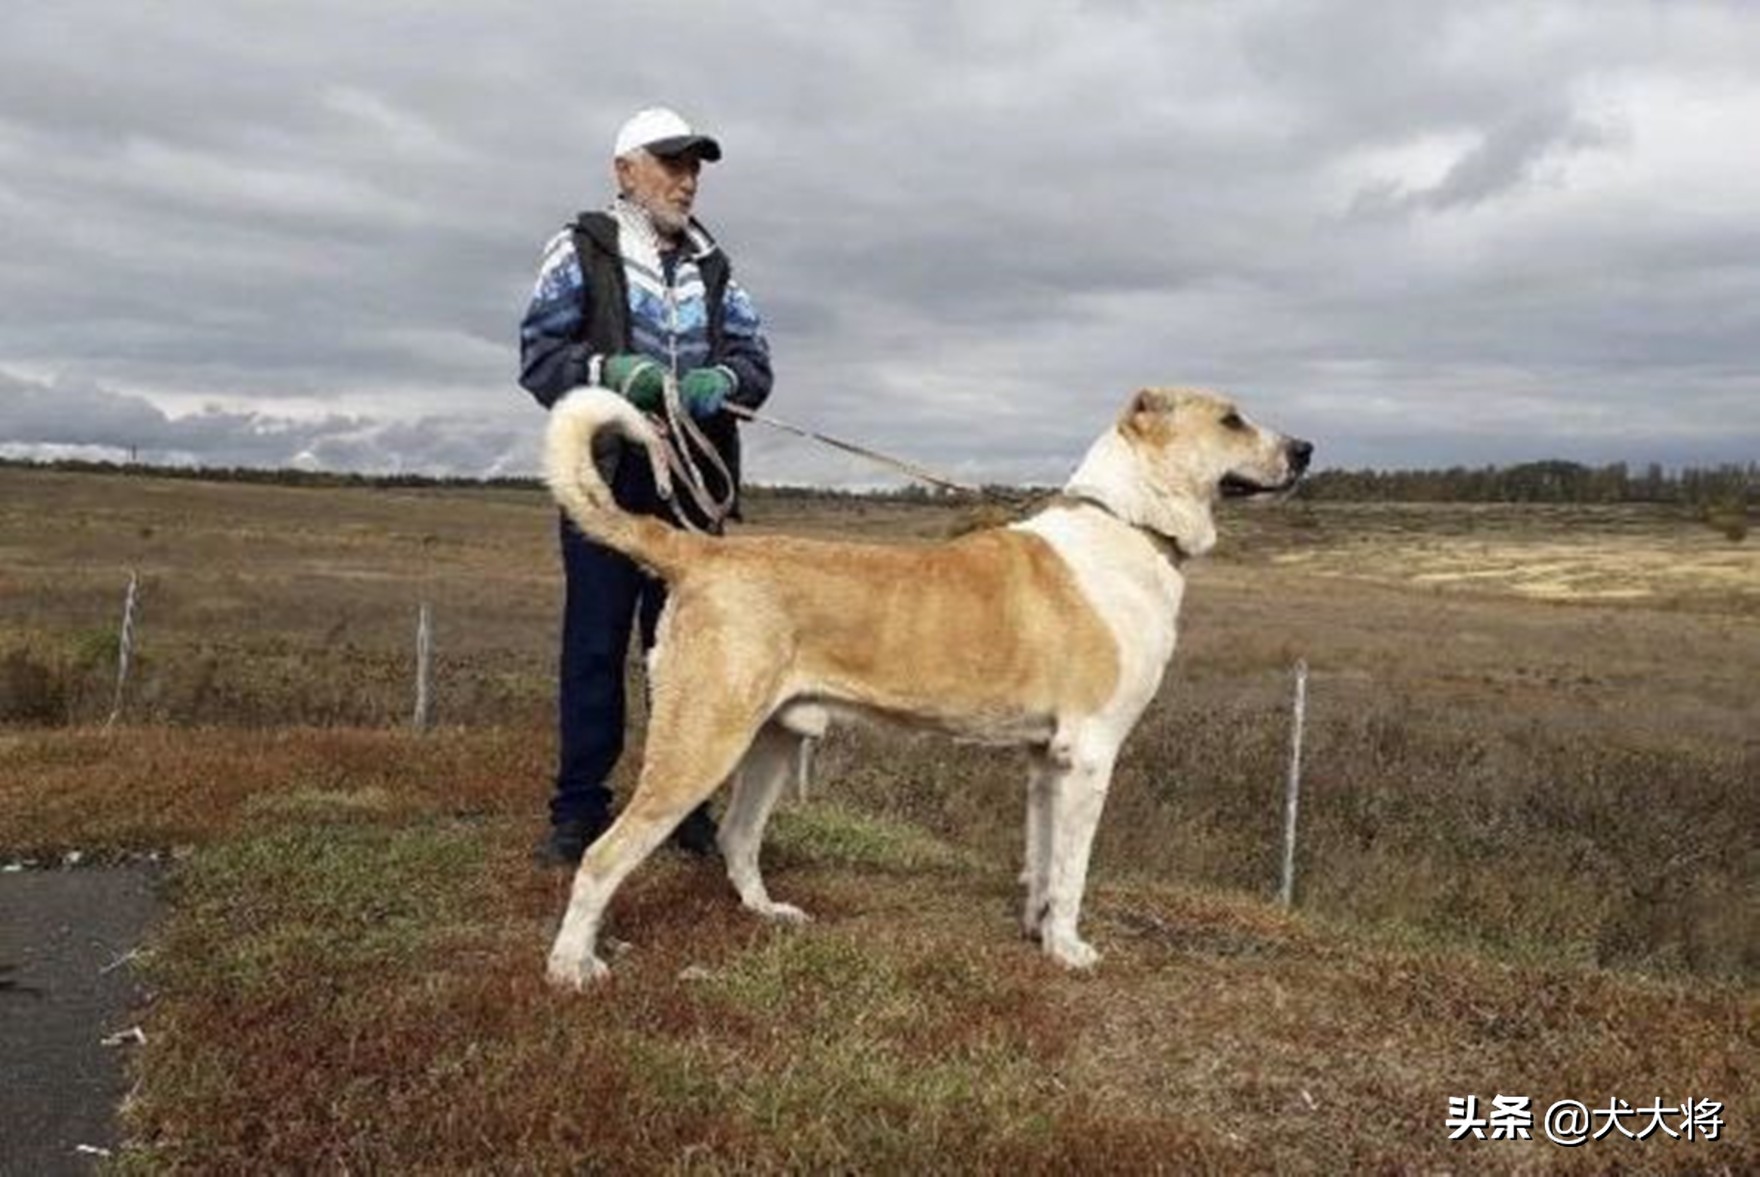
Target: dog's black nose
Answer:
[[1299, 453]]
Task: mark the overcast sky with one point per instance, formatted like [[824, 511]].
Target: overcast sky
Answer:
[[1417, 233]]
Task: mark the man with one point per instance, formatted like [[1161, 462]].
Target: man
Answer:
[[625, 298]]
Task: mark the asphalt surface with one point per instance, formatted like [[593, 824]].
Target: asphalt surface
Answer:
[[65, 986]]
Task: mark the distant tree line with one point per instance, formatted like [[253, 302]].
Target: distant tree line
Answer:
[[1729, 485], [264, 476], [1543, 482]]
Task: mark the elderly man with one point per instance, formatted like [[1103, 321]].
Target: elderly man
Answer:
[[625, 298]]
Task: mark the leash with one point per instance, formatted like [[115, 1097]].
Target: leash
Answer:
[[912, 469], [684, 443]]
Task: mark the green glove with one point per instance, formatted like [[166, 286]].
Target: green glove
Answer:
[[637, 378], [704, 391]]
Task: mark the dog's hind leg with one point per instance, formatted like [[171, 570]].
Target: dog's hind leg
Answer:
[[574, 962], [756, 787], [695, 739], [1036, 873]]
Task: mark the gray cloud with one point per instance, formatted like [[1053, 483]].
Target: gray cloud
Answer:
[[68, 417], [1506, 156], [1413, 232]]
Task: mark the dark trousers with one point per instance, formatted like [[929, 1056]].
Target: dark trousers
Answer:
[[606, 594]]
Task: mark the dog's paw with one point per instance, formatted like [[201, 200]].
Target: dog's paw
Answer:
[[782, 913], [1071, 952], [577, 974], [1033, 917]]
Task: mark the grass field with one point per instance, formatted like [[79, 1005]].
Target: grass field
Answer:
[[1528, 861]]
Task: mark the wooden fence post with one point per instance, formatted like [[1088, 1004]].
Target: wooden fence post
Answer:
[[424, 660], [1293, 787], [803, 767], [124, 647]]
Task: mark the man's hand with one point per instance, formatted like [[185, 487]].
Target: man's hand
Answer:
[[637, 378], [704, 391]]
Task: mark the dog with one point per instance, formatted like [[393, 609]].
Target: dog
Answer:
[[1051, 633]]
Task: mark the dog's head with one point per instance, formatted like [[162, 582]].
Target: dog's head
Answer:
[[1174, 452]]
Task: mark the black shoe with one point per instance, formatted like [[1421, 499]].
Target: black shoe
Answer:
[[695, 835], [568, 840]]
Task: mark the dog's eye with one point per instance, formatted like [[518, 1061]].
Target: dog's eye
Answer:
[[1234, 421]]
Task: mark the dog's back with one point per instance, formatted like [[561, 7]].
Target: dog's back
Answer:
[[991, 630]]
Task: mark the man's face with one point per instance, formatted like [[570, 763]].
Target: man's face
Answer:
[[666, 186]]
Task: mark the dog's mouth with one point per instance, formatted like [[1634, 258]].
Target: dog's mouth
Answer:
[[1238, 486]]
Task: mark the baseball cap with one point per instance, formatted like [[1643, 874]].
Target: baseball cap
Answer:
[[664, 132]]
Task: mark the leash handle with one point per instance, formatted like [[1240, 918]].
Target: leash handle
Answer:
[[685, 443]]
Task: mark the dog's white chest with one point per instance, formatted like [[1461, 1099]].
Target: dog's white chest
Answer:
[[1132, 586]]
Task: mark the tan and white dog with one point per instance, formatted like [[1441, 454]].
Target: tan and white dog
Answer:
[[1051, 633]]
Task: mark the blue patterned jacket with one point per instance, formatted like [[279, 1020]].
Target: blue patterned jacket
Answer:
[[681, 307]]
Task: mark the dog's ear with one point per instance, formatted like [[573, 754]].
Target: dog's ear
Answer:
[[1149, 413]]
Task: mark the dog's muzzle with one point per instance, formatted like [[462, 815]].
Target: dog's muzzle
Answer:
[[1296, 456]]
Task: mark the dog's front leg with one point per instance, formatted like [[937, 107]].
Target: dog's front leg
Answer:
[[1079, 795], [1042, 777]]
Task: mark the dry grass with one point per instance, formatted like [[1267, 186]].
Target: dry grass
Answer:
[[1527, 866], [265, 605], [1646, 554], [351, 979]]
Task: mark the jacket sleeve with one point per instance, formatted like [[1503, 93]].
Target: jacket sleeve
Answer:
[[552, 358], [744, 350]]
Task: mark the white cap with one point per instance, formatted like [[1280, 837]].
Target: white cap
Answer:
[[663, 132]]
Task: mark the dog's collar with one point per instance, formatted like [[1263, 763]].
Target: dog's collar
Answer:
[[1165, 544]]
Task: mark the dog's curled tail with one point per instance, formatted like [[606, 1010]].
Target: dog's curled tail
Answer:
[[587, 418]]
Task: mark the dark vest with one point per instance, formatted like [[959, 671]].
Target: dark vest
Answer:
[[605, 326]]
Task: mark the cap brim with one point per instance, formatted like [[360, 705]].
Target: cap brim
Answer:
[[701, 146]]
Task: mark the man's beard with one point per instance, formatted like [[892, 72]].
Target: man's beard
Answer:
[[668, 222]]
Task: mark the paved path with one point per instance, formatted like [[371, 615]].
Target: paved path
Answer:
[[61, 931]]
